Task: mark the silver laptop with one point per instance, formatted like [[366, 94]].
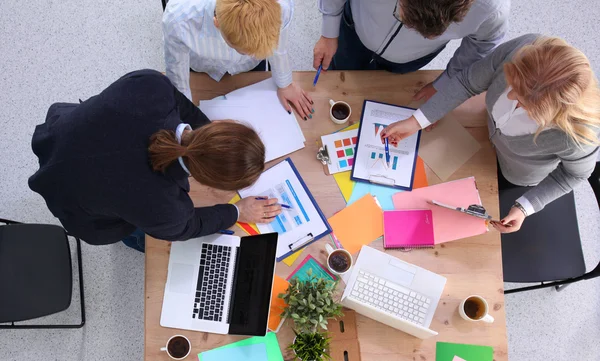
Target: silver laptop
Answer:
[[220, 284], [394, 292]]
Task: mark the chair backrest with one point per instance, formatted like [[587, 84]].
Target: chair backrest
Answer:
[[594, 180]]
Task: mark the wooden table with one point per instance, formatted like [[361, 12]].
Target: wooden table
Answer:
[[472, 265]]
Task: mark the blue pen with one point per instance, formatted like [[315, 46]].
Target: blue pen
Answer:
[[317, 76], [387, 151], [226, 231], [282, 205]]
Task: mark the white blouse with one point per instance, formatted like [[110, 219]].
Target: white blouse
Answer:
[[512, 121]]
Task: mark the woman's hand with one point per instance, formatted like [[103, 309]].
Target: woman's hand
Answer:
[[512, 222], [295, 96], [254, 210], [397, 131]]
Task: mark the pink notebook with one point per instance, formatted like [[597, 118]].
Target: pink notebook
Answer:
[[448, 224], [408, 229]]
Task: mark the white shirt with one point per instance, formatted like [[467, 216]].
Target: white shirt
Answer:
[[178, 134], [510, 120], [193, 41]]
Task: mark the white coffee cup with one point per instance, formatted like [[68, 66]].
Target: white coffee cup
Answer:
[[478, 309], [333, 103], [166, 348], [342, 252]]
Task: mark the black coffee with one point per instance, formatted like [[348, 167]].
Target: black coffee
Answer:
[[339, 261], [178, 347], [340, 111], [474, 308]]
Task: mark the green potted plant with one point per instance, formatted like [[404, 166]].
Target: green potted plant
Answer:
[[310, 347], [310, 303]]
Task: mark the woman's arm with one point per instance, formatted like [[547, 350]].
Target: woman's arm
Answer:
[[469, 82], [573, 169], [188, 112]]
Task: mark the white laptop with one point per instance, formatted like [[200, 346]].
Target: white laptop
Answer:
[[220, 284], [393, 292]]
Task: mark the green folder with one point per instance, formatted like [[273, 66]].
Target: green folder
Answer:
[[270, 341], [445, 351]]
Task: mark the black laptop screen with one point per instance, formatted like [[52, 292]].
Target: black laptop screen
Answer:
[[253, 282]]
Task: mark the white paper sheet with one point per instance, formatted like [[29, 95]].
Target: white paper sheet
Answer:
[[370, 163], [264, 93], [279, 132], [294, 224]]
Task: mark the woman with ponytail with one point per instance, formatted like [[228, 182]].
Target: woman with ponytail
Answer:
[[116, 166]]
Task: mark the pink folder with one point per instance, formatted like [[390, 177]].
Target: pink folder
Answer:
[[448, 225], [408, 229]]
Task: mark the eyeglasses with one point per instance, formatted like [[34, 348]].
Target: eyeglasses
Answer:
[[397, 12]]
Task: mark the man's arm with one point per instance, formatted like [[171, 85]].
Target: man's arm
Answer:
[[332, 17], [478, 45], [280, 60], [177, 56]]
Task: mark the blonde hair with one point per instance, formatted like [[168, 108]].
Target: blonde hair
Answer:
[[558, 88], [250, 26]]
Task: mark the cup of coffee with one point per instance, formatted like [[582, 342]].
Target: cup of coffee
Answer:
[[339, 261], [339, 111], [178, 347], [474, 309]]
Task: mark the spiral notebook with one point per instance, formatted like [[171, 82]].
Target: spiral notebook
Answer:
[[408, 229]]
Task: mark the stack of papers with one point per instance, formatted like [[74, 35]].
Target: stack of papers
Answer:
[[257, 106]]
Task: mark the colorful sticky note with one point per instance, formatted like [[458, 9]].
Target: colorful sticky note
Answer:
[[383, 194], [420, 180], [269, 341], [445, 351], [338, 143], [349, 152], [347, 141], [310, 263], [340, 153], [345, 184], [293, 257], [358, 224], [277, 304], [256, 352]]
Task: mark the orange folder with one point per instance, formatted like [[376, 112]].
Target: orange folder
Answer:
[[277, 304], [358, 224]]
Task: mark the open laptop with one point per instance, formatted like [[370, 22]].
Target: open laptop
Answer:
[[220, 284], [393, 292]]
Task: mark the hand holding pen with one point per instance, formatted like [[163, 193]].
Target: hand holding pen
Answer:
[[258, 209]]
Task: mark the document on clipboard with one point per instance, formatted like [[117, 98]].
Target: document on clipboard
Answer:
[[298, 226], [370, 162]]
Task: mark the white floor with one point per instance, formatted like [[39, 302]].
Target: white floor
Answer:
[[53, 51]]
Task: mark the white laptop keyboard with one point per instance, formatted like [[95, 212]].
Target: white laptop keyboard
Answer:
[[390, 297]]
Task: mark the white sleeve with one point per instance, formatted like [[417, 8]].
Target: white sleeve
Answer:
[[177, 57], [421, 119], [526, 205]]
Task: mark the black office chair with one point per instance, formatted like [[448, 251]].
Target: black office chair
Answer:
[[547, 248], [35, 274]]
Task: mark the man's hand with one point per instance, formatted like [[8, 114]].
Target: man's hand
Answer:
[[397, 131], [298, 98], [425, 93], [512, 222], [325, 48], [254, 210]]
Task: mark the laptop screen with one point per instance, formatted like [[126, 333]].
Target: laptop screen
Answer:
[[252, 285]]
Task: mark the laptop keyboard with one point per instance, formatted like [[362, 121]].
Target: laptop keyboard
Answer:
[[212, 282], [390, 298]]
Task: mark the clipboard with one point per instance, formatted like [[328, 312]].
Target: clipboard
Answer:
[[287, 248], [380, 178]]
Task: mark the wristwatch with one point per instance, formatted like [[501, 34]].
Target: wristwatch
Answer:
[[521, 208]]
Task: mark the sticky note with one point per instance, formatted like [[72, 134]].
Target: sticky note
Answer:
[[445, 351], [256, 352], [345, 184], [310, 263], [277, 304], [269, 341], [293, 257], [358, 224]]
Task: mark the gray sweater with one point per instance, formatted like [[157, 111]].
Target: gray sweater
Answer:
[[554, 164]]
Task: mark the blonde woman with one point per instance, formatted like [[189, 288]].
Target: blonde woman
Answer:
[[543, 104]]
